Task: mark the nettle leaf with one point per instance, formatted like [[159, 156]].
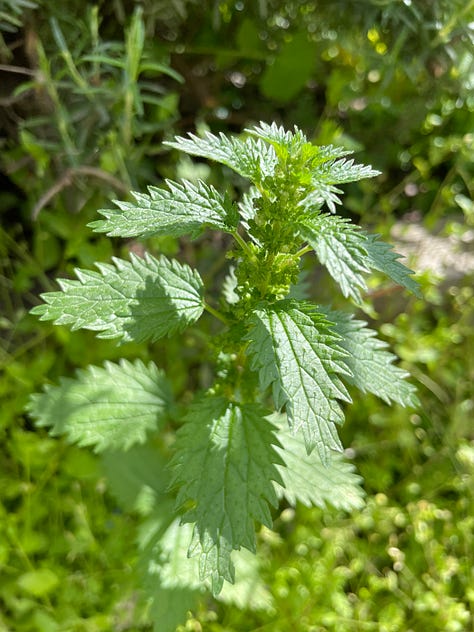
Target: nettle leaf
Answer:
[[224, 465], [109, 408], [293, 143], [371, 366], [251, 158], [164, 543], [247, 205], [349, 253], [229, 287], [325, 174], [249, 591], [144, 298], [295, 351], [339, 246], [340, 171], [308, 481], [381, 257], [279, 136], [184, 208], [322, 193], [138, 478], [170, 577]]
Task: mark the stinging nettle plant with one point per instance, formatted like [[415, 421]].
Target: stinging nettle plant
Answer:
[[235, 454]]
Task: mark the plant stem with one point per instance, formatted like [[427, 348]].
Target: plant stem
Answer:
[[215, 313], [242, 243], [303, 251]]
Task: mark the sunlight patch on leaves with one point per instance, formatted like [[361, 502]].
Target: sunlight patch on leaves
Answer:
[[166, 547], [371, 366], [109, 408], [186, 208], [294, 350], [144, 298], [224, 465], [172, 580], [251, 158]]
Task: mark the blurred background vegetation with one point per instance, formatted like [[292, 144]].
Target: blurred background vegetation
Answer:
[[88, 92]]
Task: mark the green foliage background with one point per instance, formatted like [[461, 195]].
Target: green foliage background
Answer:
[[88, 93]]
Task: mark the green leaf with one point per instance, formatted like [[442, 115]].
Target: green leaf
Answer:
[[340, 171], [137, 478], [348, 253], [224, 464], [39, 582], [170, 607], [251, 158], [371, 366], [109, 408], [339, 246], [326, 173], [229, 288], [308, 481], [320, 194], [171, 578], [291, 69], [296, 144], [295, 350], [249, 591], [279, 137], [185, 208], [146, 298], [381, 257]]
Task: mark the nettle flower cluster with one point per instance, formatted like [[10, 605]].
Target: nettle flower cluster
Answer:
[[267, 429]]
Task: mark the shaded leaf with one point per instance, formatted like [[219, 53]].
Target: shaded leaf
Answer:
[[382, 257], [137, 478], [291, 69]]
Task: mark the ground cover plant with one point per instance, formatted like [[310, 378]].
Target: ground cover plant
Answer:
[[237, 451]]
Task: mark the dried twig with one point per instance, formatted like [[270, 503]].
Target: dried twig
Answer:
[[67, 179]]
